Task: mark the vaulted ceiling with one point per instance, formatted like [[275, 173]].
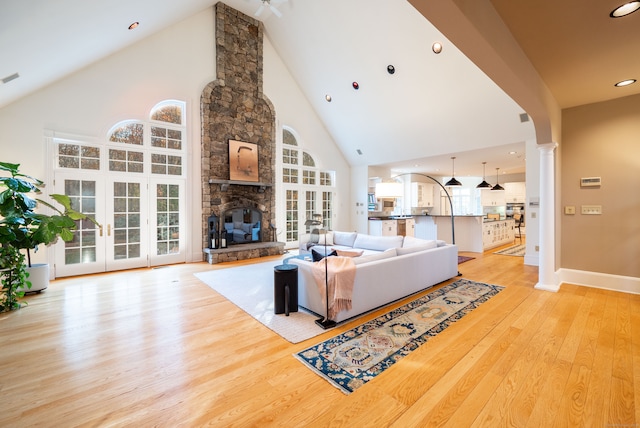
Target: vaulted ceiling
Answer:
[[432, 107]]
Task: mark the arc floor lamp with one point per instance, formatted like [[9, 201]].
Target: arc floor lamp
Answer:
[[395, 190]]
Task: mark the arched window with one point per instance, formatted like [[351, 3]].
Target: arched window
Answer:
[[134, 184], [307, 189]]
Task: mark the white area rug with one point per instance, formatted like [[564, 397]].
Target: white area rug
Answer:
[[250, 287]]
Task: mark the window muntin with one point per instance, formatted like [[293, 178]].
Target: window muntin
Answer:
[[327, 210], [291, 213], [308, 177], [166, 138], [78, 156], [289, 156], [126, 161]]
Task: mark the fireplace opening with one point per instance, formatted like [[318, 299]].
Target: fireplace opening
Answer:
[[243, 225]]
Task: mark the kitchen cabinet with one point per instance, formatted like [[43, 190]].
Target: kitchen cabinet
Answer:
[[421, 195], [493, 198], [383, 228], [497, 233], [515, 192], [392, 227], [410, 227]]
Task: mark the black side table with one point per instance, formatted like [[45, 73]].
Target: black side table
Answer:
[[285, 289]]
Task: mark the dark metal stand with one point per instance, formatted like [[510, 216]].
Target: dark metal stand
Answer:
[[325, 322]]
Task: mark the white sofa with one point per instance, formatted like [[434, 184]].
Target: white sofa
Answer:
[[390, 268]]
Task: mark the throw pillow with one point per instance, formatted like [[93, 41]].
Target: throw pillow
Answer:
[[317, 256]]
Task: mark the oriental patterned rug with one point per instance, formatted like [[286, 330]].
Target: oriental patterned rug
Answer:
[[516, 250], [462, 259], [351, 359]]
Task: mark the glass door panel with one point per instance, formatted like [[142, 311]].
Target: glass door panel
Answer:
[[126, 245], [85, 253], [167, 220]]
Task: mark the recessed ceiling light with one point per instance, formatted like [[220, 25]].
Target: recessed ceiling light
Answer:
[[134, 25], [328, 98], [625, 82], [436, 47], [625, 9]]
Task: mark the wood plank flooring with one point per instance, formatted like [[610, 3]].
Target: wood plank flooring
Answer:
[[156, 347]]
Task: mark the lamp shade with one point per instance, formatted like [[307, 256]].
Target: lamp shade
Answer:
[[453, 182], [484, 184], [389, 190]]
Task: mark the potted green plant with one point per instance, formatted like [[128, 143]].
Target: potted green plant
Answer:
[[22, 228]]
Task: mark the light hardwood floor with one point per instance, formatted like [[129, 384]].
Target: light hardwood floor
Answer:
[[156, 347]]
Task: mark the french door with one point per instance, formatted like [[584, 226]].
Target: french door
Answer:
[[141, 223]]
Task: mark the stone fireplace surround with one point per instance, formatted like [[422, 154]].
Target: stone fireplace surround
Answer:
[[233, 107]]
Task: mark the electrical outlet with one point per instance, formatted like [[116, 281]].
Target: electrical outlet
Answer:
[[570, 210], [591, 209], [537, 248]]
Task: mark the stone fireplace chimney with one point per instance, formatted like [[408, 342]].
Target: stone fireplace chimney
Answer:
[[233, 107]]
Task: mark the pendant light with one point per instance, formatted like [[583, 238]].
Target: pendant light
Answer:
[[497, 186], [484, 184], [453, 181]]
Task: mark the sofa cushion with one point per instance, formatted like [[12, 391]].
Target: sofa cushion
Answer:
[[344, 238], [410, 241], [378, 243], [391, 252], [408, 250]]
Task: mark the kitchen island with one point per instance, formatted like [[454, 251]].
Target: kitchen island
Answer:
[[475, 233]]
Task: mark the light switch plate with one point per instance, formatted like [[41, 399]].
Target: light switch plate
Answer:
[[570, 209], [592, 209]]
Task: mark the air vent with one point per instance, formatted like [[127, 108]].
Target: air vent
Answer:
[[524, 117], [8, 79]]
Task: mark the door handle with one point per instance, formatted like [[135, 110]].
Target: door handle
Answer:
[[108, 230], [100, 230]]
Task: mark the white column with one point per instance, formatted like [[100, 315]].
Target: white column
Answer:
[[546, 268]]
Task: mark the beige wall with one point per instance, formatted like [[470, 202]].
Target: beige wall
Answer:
[[602, 140]]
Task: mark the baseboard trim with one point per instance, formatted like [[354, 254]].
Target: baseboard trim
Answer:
[[605, 281]]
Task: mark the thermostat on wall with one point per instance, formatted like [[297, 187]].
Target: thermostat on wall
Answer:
[[590, 181]]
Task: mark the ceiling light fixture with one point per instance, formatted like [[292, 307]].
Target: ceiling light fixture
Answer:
[[436, 47], [484, 184], [625, 9], [453, 181], [134, 25], [497, 186], [625, 83]]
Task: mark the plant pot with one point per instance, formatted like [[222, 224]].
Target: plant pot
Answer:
[[38, 276]]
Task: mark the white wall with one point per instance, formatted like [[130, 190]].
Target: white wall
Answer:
[[175, 63], [294, 110]]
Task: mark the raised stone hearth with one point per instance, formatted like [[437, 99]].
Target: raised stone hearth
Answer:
[[233, 107], [244, 251]]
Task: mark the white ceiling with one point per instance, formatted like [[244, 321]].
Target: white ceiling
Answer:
[[433, 107]]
